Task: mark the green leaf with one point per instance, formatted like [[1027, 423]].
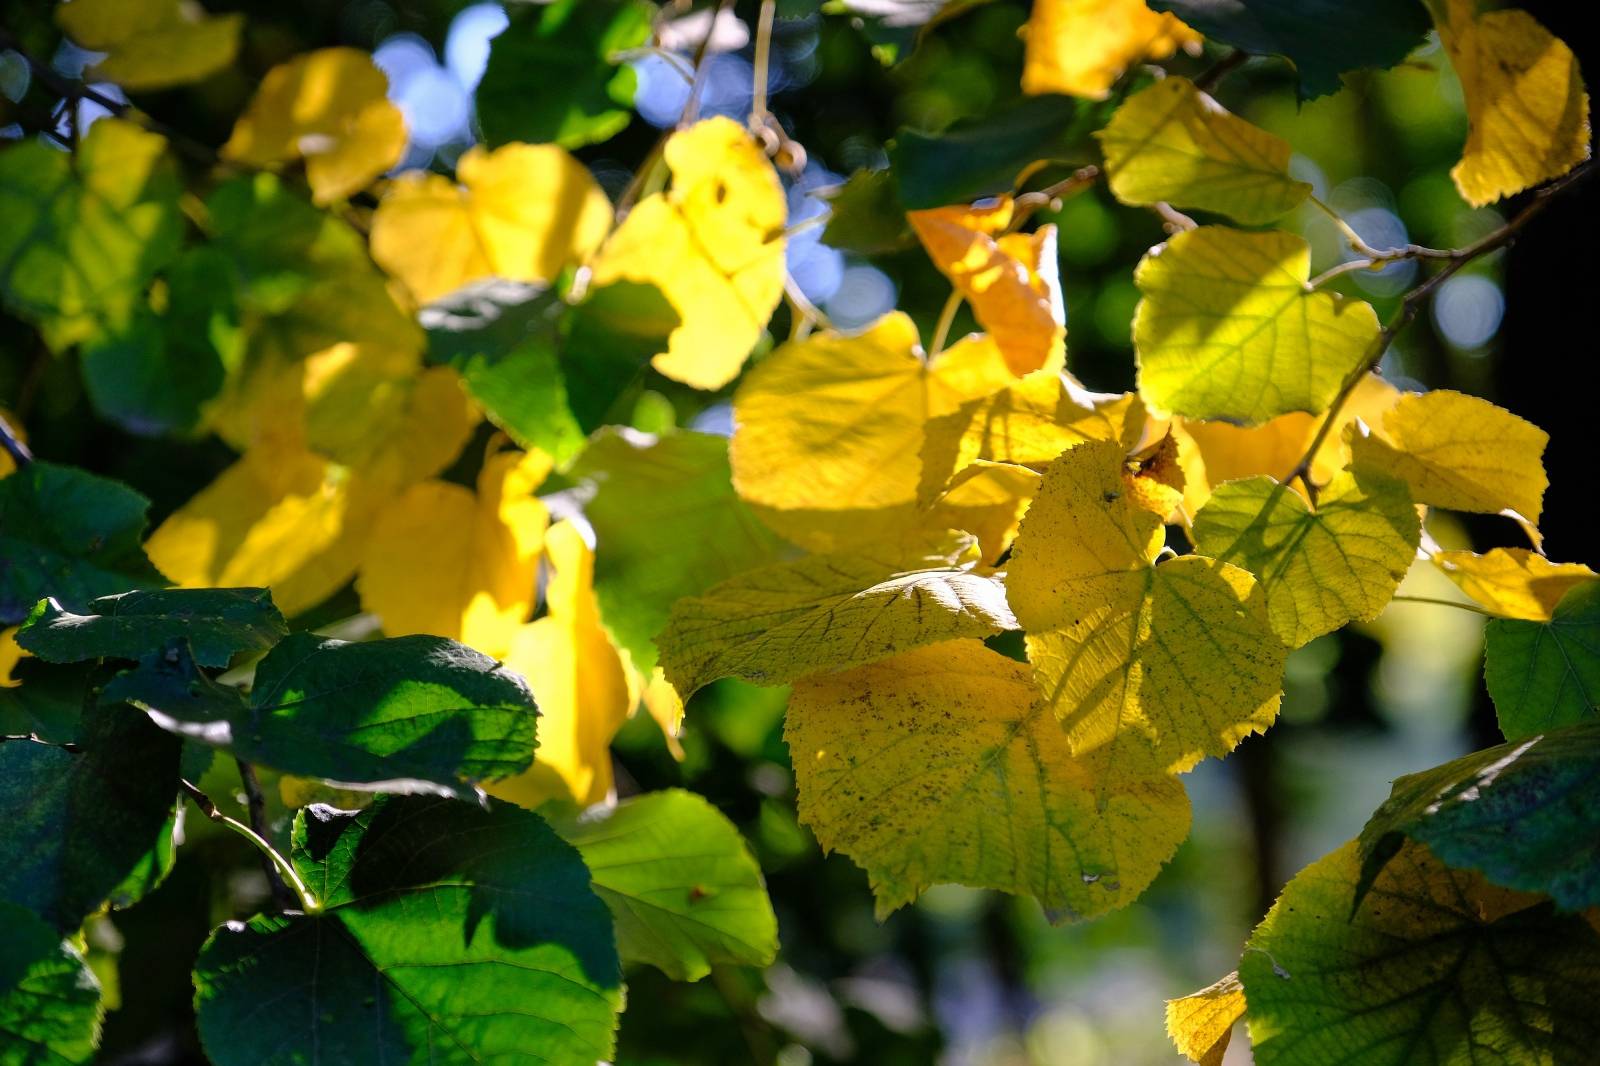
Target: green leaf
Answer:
[[217, 623], [407, 714], [684, 890], [451, 934], [825, 613], [867, 216], [607, 343], [49, 1001], [895, 28], [667, 525], [1320, 568], [1544, 675], [1322, 38], [86, 231], [553, 76], [88, 826], [1435, 967], [983, 156], [69, 534], [48, 700], [1525, 814]]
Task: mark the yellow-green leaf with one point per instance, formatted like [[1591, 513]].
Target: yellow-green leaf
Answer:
[[1171, 142], [941, 765], [1526, 104], [1226, 328], [523, 212], [988, 500], [1080, 47], [1513, 582], [152, 44], [827, 612], [329, 107], [1323, 568], [713, 244], [1201, 1022], [1459, 452], [1160, 665]]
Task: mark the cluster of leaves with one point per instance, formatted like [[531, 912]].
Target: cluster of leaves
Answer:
[[884, 521]]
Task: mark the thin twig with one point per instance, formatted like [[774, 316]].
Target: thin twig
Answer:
[[763, 60], [1025, 204], [806, 313], [308, 902], [256, 804], [1173, 220], [13, 444], [1221, 69], [702, 68]]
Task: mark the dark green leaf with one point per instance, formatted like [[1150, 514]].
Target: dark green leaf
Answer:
[[68, 534], [867, 217], [1525, 814], [47, 701], [408, 714], [1322, 38], [980, 157], [1544, 675], [896, 27], [84, 827], [684, 890], [217, 623], [667, 525], [451, 934], [49, 1001], [553, 76]]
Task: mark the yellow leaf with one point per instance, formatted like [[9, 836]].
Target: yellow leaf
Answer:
[[1080, 47], [579, 683], [13, 423], [713, 244], [152, 44], [523, 212], [1513, 582], [664, 705], [828, 612], [941, 765], [1459, 452], [1201, 1022], [827, 431], [987, 500], [1323, 568], [10, 654], [444, 561], [1171, 142], [1226, 328], [1526, 104], [329, 107], [1161, 665], [1011, 280]]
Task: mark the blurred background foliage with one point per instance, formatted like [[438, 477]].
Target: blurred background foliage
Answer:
[[963, 976]]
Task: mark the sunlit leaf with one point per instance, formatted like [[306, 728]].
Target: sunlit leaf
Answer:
[[329, 107], [50, 1007], [988, 500], [216, 623], [1544, 675], [1173, 143], [682, 886], [152, 44], [1201, 1022], [1159, 666], [941, 765], [824, 613], [1513, 582], [713, 244], [1227, 329], [451, 935], [1082, 46]]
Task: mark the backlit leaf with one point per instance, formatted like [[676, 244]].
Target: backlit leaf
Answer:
[[523, 212], [329, 107], [1435, 966], [50, 1006], [683, 888], [1226, 328], [152, 44], [1173, 143], [451, 935], [217, 623], [713, 244], [1159, 666], [1544, 675], [1321, 568], [988, 500], [1525, 100], [1201, 1022], [824, 613], [1082, 46], [941, 765], [1513, 582]]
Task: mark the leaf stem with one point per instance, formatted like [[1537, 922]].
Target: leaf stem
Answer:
[[256, 804], [308, 902], [1221, 69], [12, 443], [1436, 601], [763, 60], [691, 106], [947, 318], [1027, 203]]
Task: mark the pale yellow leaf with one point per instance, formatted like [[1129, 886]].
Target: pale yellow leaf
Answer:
[[1173, 143], [1081, 47], [523, 212], [713, 244], [987, 499], [329, 107], [152, 44], [1513, 582], [1201, 1022]]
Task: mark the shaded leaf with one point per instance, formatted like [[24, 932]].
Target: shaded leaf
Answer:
[[865, 214], [50, 1007], [1544, 675], [217, 623]]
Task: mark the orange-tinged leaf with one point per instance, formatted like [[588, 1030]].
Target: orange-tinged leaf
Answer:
[[1201, 1022], [1080, 47], [522, 212], [329, 107], [1513, 582], [713, 244], [1011, 279]]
